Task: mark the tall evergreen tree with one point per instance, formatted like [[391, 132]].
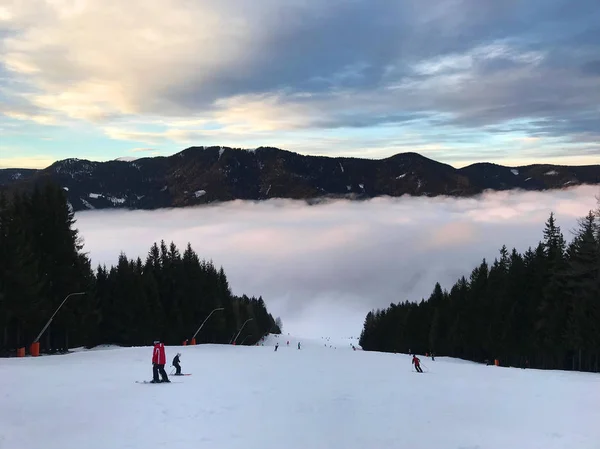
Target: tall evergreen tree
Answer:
[[539, 309], [132, 303]]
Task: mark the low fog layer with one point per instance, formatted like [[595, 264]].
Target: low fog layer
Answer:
[[322, 268]]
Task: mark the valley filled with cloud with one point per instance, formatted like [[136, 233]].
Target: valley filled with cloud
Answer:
[[321, 268]]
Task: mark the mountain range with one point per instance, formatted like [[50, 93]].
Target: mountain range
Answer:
[[201, 175]]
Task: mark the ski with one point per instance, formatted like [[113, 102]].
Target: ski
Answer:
[[150, 382], [184, 374]]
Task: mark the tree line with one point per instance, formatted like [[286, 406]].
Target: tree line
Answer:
[[539, 309], [166, 296]]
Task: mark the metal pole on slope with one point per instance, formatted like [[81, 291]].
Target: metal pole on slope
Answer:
[[238, 334], [245, 339], [205, 320], [55, 312]]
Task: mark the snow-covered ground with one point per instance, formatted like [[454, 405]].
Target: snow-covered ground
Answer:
[[316, 397]]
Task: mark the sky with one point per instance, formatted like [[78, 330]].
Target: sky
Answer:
[[323, 268], [459, 81]]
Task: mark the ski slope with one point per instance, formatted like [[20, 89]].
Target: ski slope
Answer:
[[316, 397]]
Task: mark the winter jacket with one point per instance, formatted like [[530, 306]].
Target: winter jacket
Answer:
[[416, 361], [158, 356]]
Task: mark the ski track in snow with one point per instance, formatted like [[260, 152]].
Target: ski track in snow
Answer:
[[317, 397]]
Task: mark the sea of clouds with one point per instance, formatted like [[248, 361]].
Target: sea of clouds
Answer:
[[321, 268]]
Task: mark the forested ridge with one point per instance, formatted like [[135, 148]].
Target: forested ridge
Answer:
[[539, 309], [166, 296]]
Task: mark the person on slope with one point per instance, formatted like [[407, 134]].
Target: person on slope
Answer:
[[158, 363], [176, 364], [417, 363], [276, 346]]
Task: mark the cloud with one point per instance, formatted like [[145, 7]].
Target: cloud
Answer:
[[35, 161], [322, 268], [294, 70]]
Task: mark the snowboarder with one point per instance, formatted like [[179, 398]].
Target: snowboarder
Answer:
[[417, 363], [159, 359], [176, 364], [276, 346]]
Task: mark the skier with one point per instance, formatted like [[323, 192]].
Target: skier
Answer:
[[298, 345], [276, 346], [158, 363], [417, 363], [176, 364], [433, 356]]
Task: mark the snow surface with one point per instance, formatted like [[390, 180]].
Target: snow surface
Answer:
[[401, 176], [116, 201], [551, 173], [341, 167], [95, 195], [221, 151], [317, 397], [515, 172], [200, 193]]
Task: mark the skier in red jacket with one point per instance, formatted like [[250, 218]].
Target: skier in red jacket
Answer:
[[417, 363], [159, 359]]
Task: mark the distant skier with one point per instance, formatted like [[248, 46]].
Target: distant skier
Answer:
[[298, 345], [158, 363], [276, 346], [417, 363], [177, 365], [433, 356]]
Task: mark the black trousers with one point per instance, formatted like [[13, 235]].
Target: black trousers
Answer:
[[156, 369], [418, 368], [178, 368]]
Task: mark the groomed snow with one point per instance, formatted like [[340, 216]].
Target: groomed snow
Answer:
[[317, 397]]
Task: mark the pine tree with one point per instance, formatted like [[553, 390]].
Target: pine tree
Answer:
[[582, 292], [132, 303], [539, 309]]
